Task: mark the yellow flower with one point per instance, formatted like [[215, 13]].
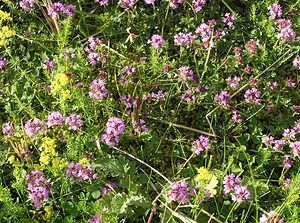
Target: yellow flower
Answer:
[[44, 158], [203, 174], [49, 146], [5, 16], [48, 212], [84, 162], [59, 81], [11, 159], [65, 95]]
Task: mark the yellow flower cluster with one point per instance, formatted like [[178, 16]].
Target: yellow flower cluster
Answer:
[[48, 151], [84, 162], [48, 212], [207, 178], [5, 31], [5, 16], [59, 81], [58, 164]]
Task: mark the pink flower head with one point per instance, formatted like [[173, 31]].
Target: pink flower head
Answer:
[[156, 41], [149, 2], [233, 81], [26, 5], [271, 217], [295, 147], [184, 39], [98, 90], [275, 11], [102, 2], [230, 182], [179, 192], [55, 119], [252, 96], [74, 121], [2, 62], [127, 4], [186, 74], [200, 144], [97, 218], [296, 62], [174, 3], [287, 162], [223, 98], [241, 194], [8, 129], [34, 126], [228, 19], [204, 31], [198, 4], [236, 117]]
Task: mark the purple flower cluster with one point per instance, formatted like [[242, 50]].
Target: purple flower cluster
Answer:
[[272, 85], [156, 41], [102, 2], [205, 32], [252, 96], [160, 95], [114, 128], [174, 3], [2, 62], [231, 185], [286, 31], [8, 129], [276, 144], [98, 90], [55, 119], [275, 11], [198, 4], [287, 162], [48, 65], [228, 19], [38, 191], [284, 25], [26, 5], [74, 121], [94, 57], [129, 102], [251, 46], [236, 117], [186, 74], [139, 126], [75, 171], [127, 4], [149, 2], [296, 62], [184, 39], [200, 144], [34, 126], [97, 218], [233, 81], [179, 192], [56, 8], [271, 217], [223, 98], [188, 95], [295, 146], [128, 70]]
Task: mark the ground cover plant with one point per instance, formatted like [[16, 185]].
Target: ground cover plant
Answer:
[[150, 111]]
